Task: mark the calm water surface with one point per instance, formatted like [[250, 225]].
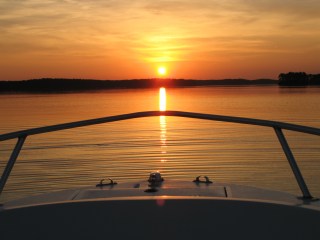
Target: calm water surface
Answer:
[[180, 148]]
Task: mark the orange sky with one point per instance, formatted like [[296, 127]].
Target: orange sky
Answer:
[[124, 39]]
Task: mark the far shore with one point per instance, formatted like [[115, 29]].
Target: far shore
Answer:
[[66, 85]]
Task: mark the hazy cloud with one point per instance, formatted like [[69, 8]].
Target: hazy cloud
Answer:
[[162, 30]]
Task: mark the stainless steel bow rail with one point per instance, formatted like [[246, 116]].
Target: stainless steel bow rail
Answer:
[[277, 126]]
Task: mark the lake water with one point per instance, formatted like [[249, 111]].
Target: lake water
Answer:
[[179, 148]]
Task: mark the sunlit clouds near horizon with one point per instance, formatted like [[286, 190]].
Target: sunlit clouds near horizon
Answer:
[[199, 39]]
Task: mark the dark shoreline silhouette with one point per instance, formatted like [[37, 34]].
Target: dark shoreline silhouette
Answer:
[[298, 79], [67, 85]]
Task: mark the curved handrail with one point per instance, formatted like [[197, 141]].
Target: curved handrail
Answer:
[[277, 126], [252, 121]]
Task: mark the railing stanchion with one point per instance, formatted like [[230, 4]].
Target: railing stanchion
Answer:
[[11, 162], [278, 126], [293, 164]]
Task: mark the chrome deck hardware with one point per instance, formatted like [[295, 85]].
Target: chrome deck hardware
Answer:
[[155, 180], [155, 177], [198, 180], [111, 183]]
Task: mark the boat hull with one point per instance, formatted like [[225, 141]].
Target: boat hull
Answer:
[[160, 218]]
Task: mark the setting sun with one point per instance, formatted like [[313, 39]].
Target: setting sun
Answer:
[[162, 71]]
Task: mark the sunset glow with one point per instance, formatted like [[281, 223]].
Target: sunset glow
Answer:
[[198, 39], [162, 99], [162, 71]]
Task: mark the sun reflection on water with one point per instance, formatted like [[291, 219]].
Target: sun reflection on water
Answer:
[[162, 99], [163, 124], [163, 137]]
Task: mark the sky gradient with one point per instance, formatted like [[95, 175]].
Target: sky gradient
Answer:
[[124, 39]]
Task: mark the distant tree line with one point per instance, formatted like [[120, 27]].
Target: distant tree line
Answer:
[[67, 85], [298, 79]]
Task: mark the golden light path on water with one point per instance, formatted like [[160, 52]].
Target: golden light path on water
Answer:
[[163, 123], [163, 138], [179, 148], [162, 99]]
